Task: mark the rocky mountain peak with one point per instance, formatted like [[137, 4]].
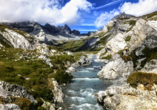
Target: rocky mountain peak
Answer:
[[123, 15]]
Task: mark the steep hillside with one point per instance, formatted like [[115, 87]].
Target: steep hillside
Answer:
[[131, 53]]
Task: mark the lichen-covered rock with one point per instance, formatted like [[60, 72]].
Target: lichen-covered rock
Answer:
[[127, 98], [15, 90], [117, 67], [9, 107]]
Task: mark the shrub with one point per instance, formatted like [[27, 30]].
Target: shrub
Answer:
[[107, 57], [126, 58], [142, 78], [62, 77], [128, 38]]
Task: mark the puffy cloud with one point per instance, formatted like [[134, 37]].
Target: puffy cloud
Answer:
[[141, 8], [105, 17], [43, 11]]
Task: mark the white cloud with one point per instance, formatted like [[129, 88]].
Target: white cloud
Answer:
[[141, 8], [105, 17], [43, 11]]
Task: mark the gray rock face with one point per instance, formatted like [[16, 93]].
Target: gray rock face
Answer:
[[46, 60], [15, 39], [150, 67], [82, 62], [116, 68], [128, 98], [57, 91], [9, 107], [89, 43], [7, 89], [123, 15]]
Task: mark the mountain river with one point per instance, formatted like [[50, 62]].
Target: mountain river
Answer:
[[79, 94]]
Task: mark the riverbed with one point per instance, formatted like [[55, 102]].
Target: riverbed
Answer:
[[79, 94]]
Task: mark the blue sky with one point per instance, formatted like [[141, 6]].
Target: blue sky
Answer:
[[82, 15], [99, 7]]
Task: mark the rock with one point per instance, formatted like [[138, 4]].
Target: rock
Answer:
[[75, 32], [123, 15], [150, 67], [46, 60], [82, 62], [69, 53], [116, 68], [16, 39], [44, 49], [9, 107], [48, 105], [57, 91], [15, 90], [127, 98], [89, 43], [70, 69], [101, 60], [114, 45], [124, 27]]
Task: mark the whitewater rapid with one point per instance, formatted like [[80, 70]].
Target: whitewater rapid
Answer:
[[79, 95]]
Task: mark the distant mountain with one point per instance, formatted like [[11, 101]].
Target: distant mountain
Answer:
[[51, 32]]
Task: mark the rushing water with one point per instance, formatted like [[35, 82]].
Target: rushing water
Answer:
[[79, 95]]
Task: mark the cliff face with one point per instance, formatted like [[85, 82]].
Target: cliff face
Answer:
[[130, 48], [15, 38]]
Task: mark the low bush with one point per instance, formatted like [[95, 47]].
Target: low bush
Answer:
[[142, 78], [126, 58], [62, 77], [108, 57], [128, 38]]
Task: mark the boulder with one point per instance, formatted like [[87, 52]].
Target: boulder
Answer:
[[9, 107], [117, 67], [82, 62], [46, 60], [57, 90], [15, 90], [70, 69], [127, 98]]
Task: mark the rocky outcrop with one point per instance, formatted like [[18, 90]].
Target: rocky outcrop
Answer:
[[150, 67], [89, 43], [9, 107], [128, 98], [70, 69], [57, 90], [123, 15], [44, 49], [15, 90], [16, 39], [82, 62], [116, 68], [46, 60]]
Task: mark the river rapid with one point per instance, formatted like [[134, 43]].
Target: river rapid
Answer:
[[79, 94]]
